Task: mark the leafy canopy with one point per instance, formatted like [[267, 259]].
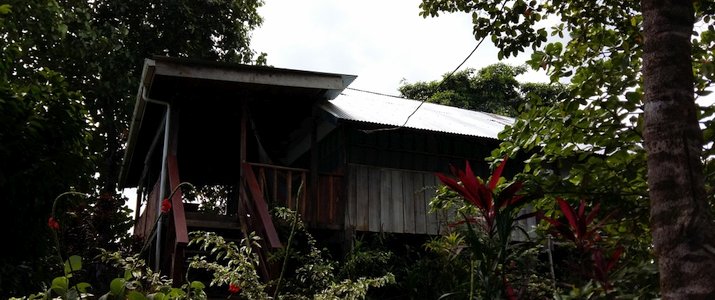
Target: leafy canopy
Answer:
[[493, 89]]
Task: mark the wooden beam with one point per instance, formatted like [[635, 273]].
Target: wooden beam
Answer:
[[311, 203], [242, 153], [254, 75], [259, 203]]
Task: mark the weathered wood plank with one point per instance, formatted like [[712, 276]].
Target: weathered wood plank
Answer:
[[289, 193], [351, 217], [326, 199], [362, 199], [397, 207], [408, 195], [307, 213], [275, 188], [421, 206], [210, 221], [385, 205], [177, 204], [374, 199], [430, 182]]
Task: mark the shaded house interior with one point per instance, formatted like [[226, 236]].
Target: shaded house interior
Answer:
[[264, 132]]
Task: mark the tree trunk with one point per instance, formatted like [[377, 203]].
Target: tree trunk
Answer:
[[680, 220]]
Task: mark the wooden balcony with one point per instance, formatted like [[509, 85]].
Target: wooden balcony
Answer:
[[264, 186], [280, 187]]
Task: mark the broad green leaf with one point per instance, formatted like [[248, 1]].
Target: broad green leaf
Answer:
[[5, 9], [134, 295], [176, 293], [60, 285], [83, 286], [116, 287], [158, 296], [198, 285], [72, 264]]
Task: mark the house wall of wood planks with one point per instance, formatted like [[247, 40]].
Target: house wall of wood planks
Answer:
[[411, 149], [391, 200]]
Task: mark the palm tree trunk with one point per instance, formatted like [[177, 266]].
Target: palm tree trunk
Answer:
[[681, 224]]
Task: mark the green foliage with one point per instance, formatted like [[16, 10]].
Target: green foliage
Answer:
[[99, 47], [137, 281], [364, 260], [487, 217], [492, 89], [354, 289], [588, 143], [232, 264], [68, 74], [210, 198], [310, 274], [43, 146], [65, 287]]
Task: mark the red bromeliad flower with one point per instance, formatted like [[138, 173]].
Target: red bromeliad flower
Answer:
[[234, 288], [165, 206], [53, 224], [482, 195]]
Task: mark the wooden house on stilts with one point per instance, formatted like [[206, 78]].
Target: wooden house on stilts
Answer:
[[265, 131]]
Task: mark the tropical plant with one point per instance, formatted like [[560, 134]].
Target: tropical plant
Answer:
[[68, 73], [308, 273], [489, 244], [635, 68], [592, 260]]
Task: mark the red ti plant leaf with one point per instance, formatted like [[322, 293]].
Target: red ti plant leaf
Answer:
[[496, 175], [603, 267], [569, 213], [579, 228], [470, 188], [481, 195], [510, 294], [508, 196], [470, 196]]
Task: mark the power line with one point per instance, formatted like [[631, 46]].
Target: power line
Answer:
[[422, 101], [376, 93], [445, 80]]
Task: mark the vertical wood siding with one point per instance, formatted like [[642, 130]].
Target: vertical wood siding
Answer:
[[391, 200]]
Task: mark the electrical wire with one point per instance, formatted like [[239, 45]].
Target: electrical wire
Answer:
[[422, 101], [375, 93]]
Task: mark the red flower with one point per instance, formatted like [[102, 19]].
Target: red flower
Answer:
[[165, 206], [53, 224], [234, 288]]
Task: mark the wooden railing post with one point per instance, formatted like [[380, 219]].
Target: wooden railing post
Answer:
[[181, 236], [261, 208], [179, 221]]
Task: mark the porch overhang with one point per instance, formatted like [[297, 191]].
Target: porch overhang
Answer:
[[211, 95]]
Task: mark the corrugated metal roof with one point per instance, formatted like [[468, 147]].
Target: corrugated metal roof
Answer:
[[373, 108]]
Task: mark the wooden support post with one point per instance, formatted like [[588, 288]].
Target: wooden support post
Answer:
[[181, 237], [311, 203], [242, 153]]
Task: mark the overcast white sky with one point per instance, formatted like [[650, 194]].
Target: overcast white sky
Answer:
[[381, 42]]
